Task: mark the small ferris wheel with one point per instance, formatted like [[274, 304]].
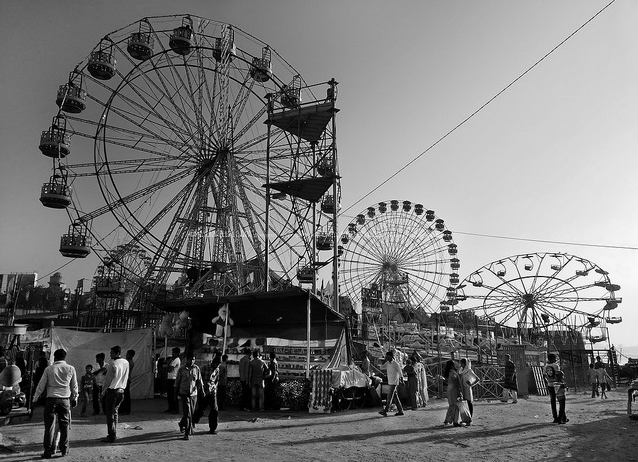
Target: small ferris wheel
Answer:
[[554, 291], [402, 252]]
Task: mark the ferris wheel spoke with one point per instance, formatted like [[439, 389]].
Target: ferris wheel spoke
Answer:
[[238, 135], [134, 196], [432, 282], [181, 196], [241, 100], [195, 88], [502, 289], [139, 90], [149, 138], [366, 245], [145, 111]]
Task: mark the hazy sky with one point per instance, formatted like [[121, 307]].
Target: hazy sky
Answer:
[[552, 158]]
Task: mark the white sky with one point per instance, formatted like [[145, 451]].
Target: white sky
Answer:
[[554, 157]]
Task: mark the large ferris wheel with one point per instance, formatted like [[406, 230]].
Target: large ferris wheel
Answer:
[[554, 291], [399, 254], [191, 140]]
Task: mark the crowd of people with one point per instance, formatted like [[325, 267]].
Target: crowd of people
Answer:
[[107, 387]]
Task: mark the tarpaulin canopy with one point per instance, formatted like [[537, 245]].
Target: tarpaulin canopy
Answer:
[[81, 348], [281, 314]]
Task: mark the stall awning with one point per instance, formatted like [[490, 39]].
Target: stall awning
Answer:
[[309, 189], [280, 314]]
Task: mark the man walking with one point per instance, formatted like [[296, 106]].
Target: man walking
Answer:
[[59, 380], [174, 363], [99, 373], [395, 376], [114, 384], [187, 383], [210, 376]]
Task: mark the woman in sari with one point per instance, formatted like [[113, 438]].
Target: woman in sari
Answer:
[[422, 380], [453, 381], [466, 373]]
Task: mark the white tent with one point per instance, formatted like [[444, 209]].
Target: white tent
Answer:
[[81, 348]]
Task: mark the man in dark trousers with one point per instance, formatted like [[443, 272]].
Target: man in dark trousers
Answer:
[[244, 367], [551, 378], [174, 363], [210, 377], [113, 392], [125, 408], [60, 382]]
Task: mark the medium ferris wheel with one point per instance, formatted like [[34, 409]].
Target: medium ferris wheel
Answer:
[[175, 138], [398, 254], [555, 291]]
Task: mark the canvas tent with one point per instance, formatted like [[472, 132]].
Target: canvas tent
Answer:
[[81, 348]]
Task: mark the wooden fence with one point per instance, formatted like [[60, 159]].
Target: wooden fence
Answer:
[[490, 384]]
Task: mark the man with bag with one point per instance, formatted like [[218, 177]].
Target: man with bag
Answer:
[[395, 376], [60, 383]]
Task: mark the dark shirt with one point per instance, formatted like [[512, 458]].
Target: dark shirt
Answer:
[[409, 371], [256, 372]]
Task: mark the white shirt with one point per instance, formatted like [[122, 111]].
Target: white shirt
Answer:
[[175, 363], [116, 374], [59, 380], [394, 371]]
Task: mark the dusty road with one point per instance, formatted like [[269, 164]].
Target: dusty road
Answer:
[[598, 431]]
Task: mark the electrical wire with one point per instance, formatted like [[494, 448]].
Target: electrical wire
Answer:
[[606, 246], [448, 133]]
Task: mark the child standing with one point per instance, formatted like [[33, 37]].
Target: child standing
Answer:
[[86, 388], [561, 388]]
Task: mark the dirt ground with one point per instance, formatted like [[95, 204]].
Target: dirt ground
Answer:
[[599, 430]]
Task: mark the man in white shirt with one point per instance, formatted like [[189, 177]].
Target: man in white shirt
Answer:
[[59, 380], [113, 391], [174, 363], [395, 376]]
